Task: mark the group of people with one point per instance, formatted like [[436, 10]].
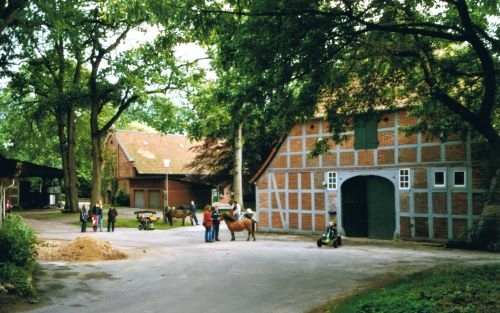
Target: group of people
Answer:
[[96, 217], [211, 223], [211, 219]]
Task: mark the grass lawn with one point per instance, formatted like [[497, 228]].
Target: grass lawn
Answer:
[[73, 219], [133, 223], [449, 290]]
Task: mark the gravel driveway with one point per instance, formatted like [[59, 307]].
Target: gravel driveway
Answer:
[[176, 271]]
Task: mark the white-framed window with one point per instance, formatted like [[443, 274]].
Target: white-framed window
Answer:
[[459, 178], [404, 178], [331, 180], [439, 178]]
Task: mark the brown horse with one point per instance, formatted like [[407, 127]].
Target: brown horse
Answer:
[[173, 213], [240, 225]]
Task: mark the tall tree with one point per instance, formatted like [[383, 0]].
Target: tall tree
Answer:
[[148, 69], [52, 79], [441, 56], [81, 61], [234, 107]]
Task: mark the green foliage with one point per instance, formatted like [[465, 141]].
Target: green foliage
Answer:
[[457, 290], [122, 198], [320, 147], [488, 237], [84, 187], [17, 255], [282, 56], [20, 279], [17, 242]]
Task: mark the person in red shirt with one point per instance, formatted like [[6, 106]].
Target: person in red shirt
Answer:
[[208, 223]]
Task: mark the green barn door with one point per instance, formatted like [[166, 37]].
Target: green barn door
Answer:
[[381, 210], [355, 207]]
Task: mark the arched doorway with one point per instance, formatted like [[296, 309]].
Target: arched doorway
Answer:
[[368, 207]]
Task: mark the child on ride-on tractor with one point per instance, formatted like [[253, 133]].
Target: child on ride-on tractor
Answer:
[[331, 236]]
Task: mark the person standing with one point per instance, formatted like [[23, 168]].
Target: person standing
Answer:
[[192, 209], [99, 215], [83, 218], [216, 222], [112, 213], [8, 206], [94, 217], [236, 210], [208, 223]]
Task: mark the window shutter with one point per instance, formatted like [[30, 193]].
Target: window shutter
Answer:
[[365, 132], [371, 133], [359, 134]]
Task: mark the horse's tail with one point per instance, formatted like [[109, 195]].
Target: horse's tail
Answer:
[[253, 226]]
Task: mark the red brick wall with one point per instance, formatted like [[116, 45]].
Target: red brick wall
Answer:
[[329, 159], [421, 227], [346, 158], [386, 120], [406, 140], [385, 157], [407, 155], [296, 145], [306, 221], [459, 228], [296, 161], [320, 221], [439, 204], [431, 154], [420, 178], [296, 130], [459, 203], [293, 180], [294, 221], [365, 157], [386, 138], [404, 201], [420, 200], [276, 220], [455, 153], [263, 219], [405, 225], [306, 202], [440, 228]]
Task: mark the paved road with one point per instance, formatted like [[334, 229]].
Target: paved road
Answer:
[[176, 271]]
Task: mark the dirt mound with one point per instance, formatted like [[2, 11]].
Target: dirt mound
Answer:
[[80, 249]]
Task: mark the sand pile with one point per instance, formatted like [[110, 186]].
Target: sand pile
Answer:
[[80, 249]]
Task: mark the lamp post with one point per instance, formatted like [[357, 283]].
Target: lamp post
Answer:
[[166, 164]]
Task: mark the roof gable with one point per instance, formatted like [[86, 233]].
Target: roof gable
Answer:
[[148, 150]]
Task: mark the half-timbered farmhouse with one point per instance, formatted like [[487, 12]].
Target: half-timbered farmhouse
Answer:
[[378, 183]]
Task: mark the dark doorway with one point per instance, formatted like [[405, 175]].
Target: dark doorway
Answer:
[[355, 207], [368, 207]]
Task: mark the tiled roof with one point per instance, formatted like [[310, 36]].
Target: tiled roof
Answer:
[[149, 149]]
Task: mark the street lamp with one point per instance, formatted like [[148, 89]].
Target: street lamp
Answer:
[[166, 164]]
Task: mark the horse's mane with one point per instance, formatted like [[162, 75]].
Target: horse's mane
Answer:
[[228, 217]]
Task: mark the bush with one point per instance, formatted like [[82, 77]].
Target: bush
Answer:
[[17, 256], [122, 198]]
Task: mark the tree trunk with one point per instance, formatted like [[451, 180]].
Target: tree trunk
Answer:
[[66, 117], [96, 157], [238, 164]]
